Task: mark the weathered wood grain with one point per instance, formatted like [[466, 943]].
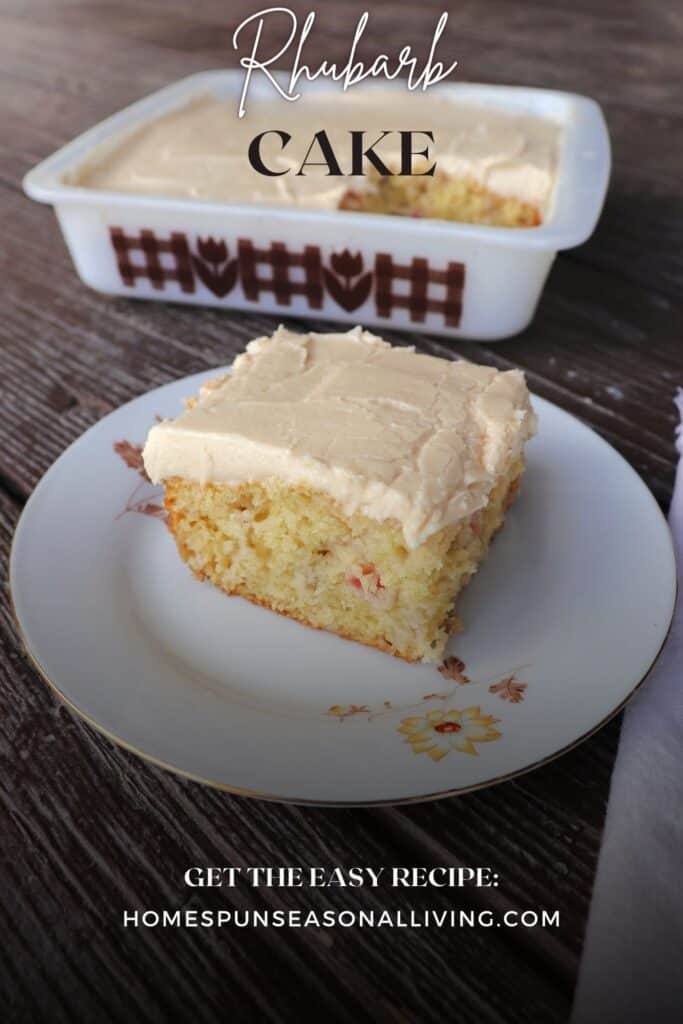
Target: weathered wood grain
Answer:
[[88, 829]]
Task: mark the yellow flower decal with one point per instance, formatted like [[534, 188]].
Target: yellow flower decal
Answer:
[[342, 711], [439, 732]]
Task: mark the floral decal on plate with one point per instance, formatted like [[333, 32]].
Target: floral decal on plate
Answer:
[[454, 668], [144, 499], [509, 689], [342, 711], [132, 456], [439, 732]]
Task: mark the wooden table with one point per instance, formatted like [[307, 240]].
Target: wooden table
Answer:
[[87, 829]]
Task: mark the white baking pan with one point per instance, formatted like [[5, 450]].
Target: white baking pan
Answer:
[[409, 274]]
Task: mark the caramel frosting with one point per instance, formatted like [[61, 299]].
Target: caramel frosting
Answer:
[[199, 151], [386, 431]]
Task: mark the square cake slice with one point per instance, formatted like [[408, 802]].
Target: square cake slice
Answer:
[[352, 485]]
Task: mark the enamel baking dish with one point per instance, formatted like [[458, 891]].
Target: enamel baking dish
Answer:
[[447, 278]]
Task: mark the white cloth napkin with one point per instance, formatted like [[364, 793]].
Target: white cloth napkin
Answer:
[[632, 967]]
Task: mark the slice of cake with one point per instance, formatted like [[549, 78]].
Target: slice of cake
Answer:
[[346, 483]]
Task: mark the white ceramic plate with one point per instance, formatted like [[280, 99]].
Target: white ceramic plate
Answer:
[[562, 623]]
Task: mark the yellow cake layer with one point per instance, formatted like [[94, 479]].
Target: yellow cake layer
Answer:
[[295, 551], [445, 198]]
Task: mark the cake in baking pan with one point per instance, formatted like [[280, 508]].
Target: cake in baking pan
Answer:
[[349, 484], [467, 162]]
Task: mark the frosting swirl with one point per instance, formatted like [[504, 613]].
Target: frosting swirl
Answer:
[[199, 151]]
